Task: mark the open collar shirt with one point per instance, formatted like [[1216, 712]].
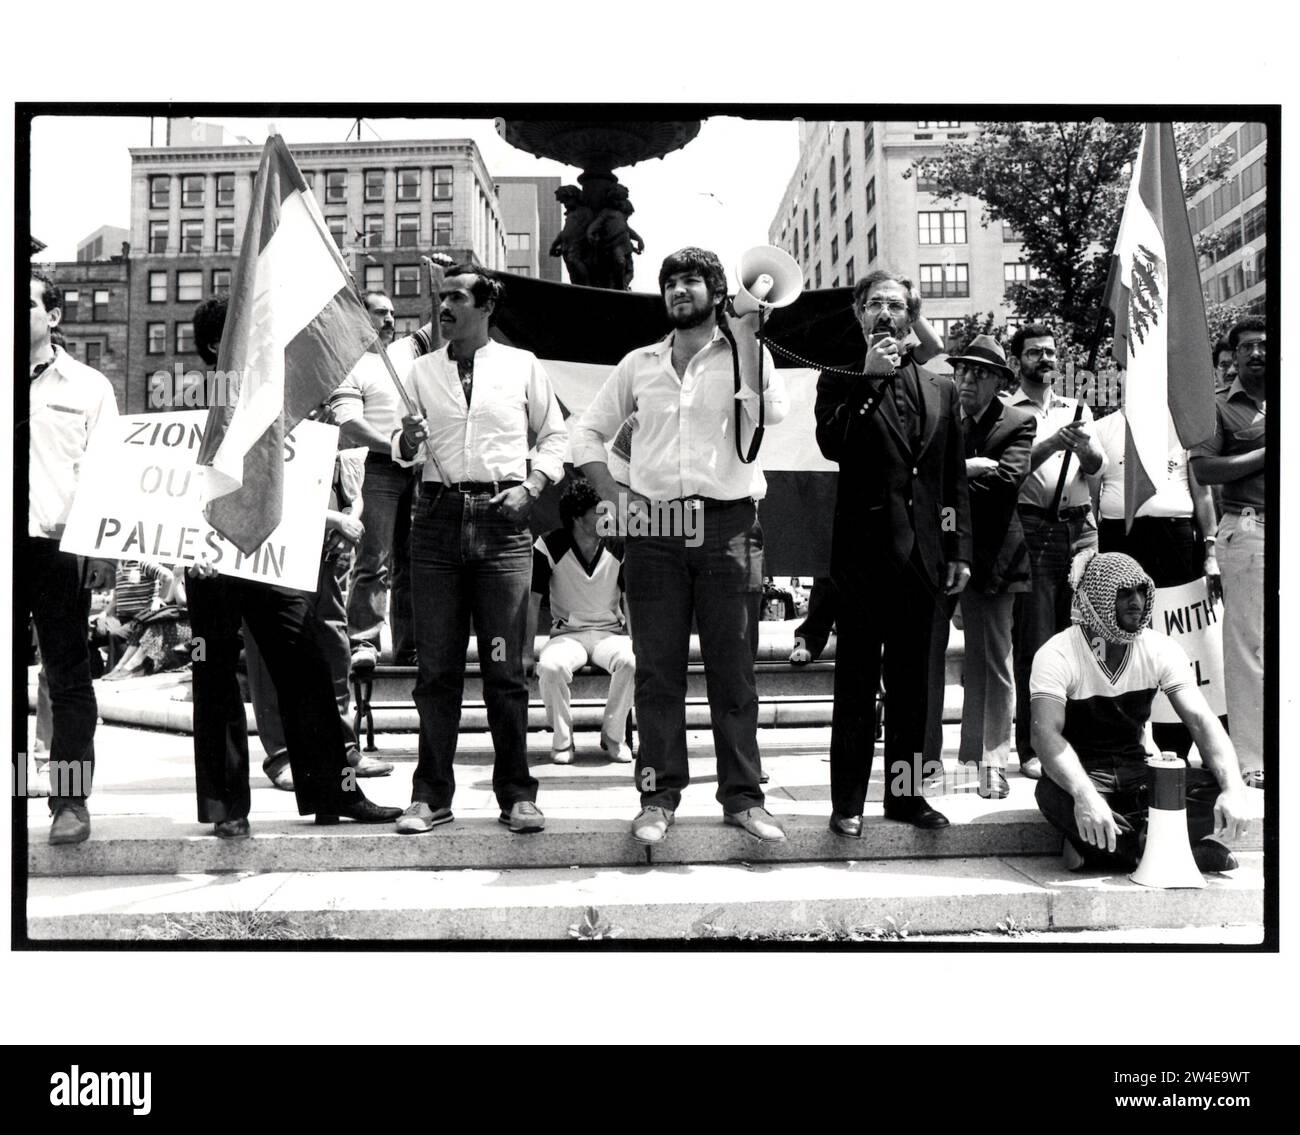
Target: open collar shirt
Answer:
[[488, 439], [683, 442], [68, 402], [1039, 488]]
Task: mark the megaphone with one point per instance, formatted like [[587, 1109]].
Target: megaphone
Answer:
[[768, 277], [1167, 859]]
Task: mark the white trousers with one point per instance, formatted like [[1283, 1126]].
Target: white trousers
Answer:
[[1241, 560], [566, 653]]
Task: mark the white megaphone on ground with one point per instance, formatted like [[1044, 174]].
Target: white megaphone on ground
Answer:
[[767, 277], [1167, 859]]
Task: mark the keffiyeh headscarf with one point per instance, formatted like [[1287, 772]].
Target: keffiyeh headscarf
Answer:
[[1097, 577]]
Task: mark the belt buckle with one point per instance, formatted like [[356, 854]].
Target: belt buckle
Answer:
[[692, 504]]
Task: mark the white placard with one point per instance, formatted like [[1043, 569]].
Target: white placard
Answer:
[[1187, 616], [140, 495]]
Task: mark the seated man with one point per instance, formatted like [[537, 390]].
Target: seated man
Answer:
[[583, 575], [1091, 690]]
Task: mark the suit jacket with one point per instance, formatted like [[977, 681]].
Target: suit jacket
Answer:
[[892, 497], [1006, 435]]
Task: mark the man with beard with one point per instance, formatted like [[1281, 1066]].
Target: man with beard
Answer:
[[1092, 688], [900, 550], [1055, 529], [708, 566], [1234, 458]]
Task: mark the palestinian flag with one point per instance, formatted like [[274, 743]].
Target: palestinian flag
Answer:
[[1161, 337], [581, 334], [294, 329]]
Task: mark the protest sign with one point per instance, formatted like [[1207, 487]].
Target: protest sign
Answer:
[[1187, 616]]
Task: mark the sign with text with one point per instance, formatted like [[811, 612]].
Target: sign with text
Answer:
[[140, 494], [1187, 616]]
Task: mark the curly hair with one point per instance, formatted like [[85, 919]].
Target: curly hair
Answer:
[[1248, 323], [579, 496], [485, 289], [699, 260]]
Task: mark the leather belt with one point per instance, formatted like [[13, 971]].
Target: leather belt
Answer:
[[712, 502], [478, 488], [1077, 512]]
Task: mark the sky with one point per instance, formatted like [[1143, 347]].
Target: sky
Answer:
[[721, 191]]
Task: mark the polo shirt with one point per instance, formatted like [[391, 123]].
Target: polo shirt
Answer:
[[1238, 428]]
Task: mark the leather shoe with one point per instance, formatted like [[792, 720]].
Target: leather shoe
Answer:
[[562, 756], [524, 816], [918, 814], [1211, 855], [360, 811], [278, 772], [363, 765], [651, 824], [71, 824], [850, 826], [757, 822], [231, 829], [618, 751], [1032, 768], [993, 783]]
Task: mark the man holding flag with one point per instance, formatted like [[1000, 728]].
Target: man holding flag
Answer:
[[295, 328]]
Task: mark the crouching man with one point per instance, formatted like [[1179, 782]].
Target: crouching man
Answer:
[[1091, 690]]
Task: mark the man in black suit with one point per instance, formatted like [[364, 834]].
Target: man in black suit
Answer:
[[901, 544], [997, 439]]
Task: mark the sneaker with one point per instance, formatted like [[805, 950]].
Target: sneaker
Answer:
[[619, 751], [1253, 778], [993, 783], [524, 816], [38, 783], [651, 824], [1210, 855], [364, 658], [757, 822], [420, 818], [562, 756], [71, 824]]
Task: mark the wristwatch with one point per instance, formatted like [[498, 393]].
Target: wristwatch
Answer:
[[532, 490]]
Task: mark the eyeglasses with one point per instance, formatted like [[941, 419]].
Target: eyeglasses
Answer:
[[893, 306], [1040, 353], [972, 370]]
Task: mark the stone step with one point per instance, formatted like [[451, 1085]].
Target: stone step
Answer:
[[862, 900]]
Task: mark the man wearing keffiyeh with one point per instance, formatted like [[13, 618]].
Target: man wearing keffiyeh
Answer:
[[1091, 691]]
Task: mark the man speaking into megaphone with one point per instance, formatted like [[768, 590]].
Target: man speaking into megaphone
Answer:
[[699, 552]]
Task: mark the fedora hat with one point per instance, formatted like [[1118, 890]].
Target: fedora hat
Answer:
[[983, 350]]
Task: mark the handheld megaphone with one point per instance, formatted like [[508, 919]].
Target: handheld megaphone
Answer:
[[1167, 860], [768, 277]]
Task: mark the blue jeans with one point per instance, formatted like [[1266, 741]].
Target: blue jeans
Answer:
[[720, 583], [383, 559], [1044, 609], [467, 561]]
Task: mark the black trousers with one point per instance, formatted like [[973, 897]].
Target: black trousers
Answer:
[[60, 608], [816, 626], [1123, 783], [281, 623], [890, 608]]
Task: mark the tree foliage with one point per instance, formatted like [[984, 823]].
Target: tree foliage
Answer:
[[1061, 186]]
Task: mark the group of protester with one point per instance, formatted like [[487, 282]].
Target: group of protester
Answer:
[[974, 490]]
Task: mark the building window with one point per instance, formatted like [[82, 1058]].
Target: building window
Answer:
[[871, 194], [817, 232], [225, 190], [835, 250], [848, 227], [374, 185], [847, 153], [338, 227], [192, 190], [156, 341], [157, 236], [160, 192], [807, 256], [1255, 222], [946, 226], [830, 180], [221, 281], [849, 278], [817, 205], [184, 338], [405, 325], [871, 244], [848, 179], [1252, 178], [926, 183], [833, 199], [406, 280], [374, 278], [442, 230], [191, 236], [937, 125], [71, 298], [817, 274], [1010, 232], [442, 183], [1248, 137], [189, 286], [336, 187], [408, 184], [835, 282], [157, 287], [1017, 274], [869, 143], [94, 353], [99, 304], [408, 230], [945, 281], [519, 242], [805, 226], [309, 176], [374, 231], [225, 234]]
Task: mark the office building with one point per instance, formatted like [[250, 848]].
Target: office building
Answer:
[[1229, 215]]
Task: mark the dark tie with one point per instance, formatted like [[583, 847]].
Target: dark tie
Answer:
[[905, 403], [968, 435]]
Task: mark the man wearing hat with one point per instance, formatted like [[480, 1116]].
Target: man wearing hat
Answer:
[[997, 439]]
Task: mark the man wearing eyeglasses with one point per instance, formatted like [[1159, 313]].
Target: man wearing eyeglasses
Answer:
[[901, 548], [1225, 367], [1057, 526]]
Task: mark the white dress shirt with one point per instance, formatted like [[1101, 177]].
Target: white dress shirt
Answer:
[[488, 439], [1173, 498], [684, 443], [369, 391], [1039, 487], [68, 401]]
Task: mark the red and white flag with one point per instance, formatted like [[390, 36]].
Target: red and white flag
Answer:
[[294, 329], [1161, 336]]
